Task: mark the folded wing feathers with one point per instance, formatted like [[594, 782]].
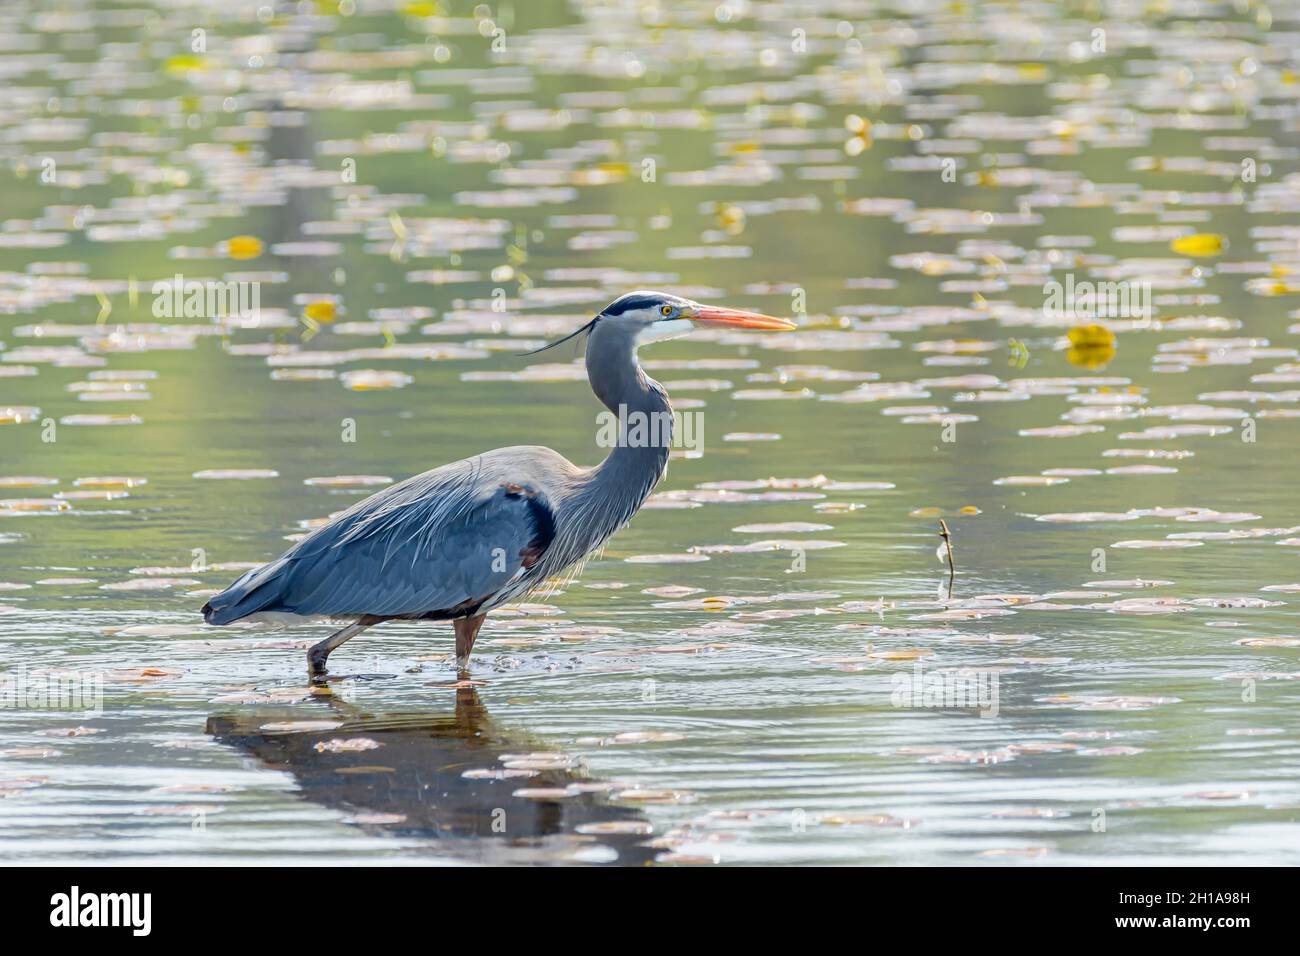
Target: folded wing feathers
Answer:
[[423, 545]]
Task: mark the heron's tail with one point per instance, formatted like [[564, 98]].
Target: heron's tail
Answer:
[[258, 590]]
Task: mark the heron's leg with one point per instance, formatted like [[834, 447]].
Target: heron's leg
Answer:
[[317, 654], [466, 630]]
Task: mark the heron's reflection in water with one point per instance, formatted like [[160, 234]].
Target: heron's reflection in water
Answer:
[[441, 777]]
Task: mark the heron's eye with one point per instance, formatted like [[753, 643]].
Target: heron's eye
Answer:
[[665, 310]]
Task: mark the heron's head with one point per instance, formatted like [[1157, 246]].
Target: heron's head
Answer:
[[638, 318], [657, 316]]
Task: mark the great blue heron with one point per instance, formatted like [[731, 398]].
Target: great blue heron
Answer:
[[456, 542]]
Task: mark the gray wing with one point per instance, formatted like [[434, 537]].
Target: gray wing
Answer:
[[438, 544]]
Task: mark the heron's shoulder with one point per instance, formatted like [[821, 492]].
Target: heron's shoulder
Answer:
[[523, 463], [477, 479], [480, 477]]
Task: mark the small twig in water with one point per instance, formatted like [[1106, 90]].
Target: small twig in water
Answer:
[[952, 565]]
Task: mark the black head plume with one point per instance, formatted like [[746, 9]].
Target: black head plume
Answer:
[[586, 328]]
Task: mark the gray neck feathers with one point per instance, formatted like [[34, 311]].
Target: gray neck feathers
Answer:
[[607, 496]]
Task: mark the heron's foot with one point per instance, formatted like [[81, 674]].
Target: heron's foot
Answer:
[[462, 665], [317, 661]]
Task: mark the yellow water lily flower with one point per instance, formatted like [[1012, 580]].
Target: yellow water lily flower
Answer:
[[244, 247], [1091, 336], [322, 310], [1200, 244]]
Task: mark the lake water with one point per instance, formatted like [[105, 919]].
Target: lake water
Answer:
[[770, 665]]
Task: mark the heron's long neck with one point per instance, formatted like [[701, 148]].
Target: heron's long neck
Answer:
[[639, 426], [643, 418]]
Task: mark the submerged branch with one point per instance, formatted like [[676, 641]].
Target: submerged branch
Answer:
[[952, 566]]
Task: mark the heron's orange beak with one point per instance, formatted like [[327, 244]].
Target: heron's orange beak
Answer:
[[740, 319]]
